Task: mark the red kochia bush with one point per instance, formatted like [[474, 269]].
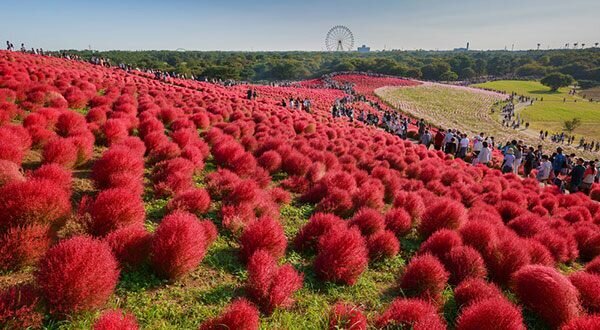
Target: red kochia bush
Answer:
[[583, 323], [347, 317], [115, 165], [464, 262], [383, 245], [9, 171], [440, 243], [318, 225], [593, 266], [491, 314], [115, 208], [398, 221], [443, 213], [265, 233], [548, 293], [342, 256], [475, 289], [239, 315], [368, 221], [54, 173], [506, 258], [588, 286], [33, 201], [271, 286], [60, 151], [424, 277], [116, 320], [78, 274], [413, 314], [179, 244], [195, 201], [270, 161], [21, 246], [130, 245], [18, 308]]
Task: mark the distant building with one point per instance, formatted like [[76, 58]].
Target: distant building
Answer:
[[364, 49], [462, 49]]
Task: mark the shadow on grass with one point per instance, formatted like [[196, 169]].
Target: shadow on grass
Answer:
[[220, 294], [225, 258], [140, 279]]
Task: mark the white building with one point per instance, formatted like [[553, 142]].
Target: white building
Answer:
[[364, 49]]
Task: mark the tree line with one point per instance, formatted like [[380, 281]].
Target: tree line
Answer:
[[582, 64]]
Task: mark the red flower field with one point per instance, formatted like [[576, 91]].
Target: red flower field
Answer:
[[129, 202]]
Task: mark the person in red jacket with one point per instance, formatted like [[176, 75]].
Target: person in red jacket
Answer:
[[438, 140]]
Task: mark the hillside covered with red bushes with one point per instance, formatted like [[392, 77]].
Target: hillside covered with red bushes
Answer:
[[129, 202]]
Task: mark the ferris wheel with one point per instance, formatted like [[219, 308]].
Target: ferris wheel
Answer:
[[339, 38]]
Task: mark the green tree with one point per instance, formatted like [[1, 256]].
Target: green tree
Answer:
[[467, 73], [557, 80], [435, 71], [531, 70], [571, 125], [449, 76]]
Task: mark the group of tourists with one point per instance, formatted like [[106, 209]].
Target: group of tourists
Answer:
[[568, 172], [297, 104]]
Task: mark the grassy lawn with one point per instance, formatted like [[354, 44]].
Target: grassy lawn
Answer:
[[555, 108]]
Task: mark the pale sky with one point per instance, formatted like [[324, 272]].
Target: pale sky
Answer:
[[298, 25]]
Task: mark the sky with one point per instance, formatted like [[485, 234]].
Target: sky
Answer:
[[298, 25]]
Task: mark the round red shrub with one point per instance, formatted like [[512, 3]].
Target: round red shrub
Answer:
[[130, 245], [411, 202], [440, 243], [368, 221], [538, 253], [424, 277], [413, 314], [239, 315], [31, 202], [23, 246], [270, 161], [475, 289], [337, 201], [583, 323], [265, 233], [116, 319], [114, 165], [588, 286], [398, 221], [509, 210], [342, 256], [491, 314], [318, 225], [178, 245], [593, 266], [383, 245], [443, 213], [54, 173], [464, 262], [9, 172], [347, 317], [60, 151], [270, 286], [195, 201], [507, 257], [527, 225], [19, 308], [113, 209], [77, 274], [547, 293]]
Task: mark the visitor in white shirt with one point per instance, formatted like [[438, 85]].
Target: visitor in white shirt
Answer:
[[484, 156], [544, 170], [477, 144]]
